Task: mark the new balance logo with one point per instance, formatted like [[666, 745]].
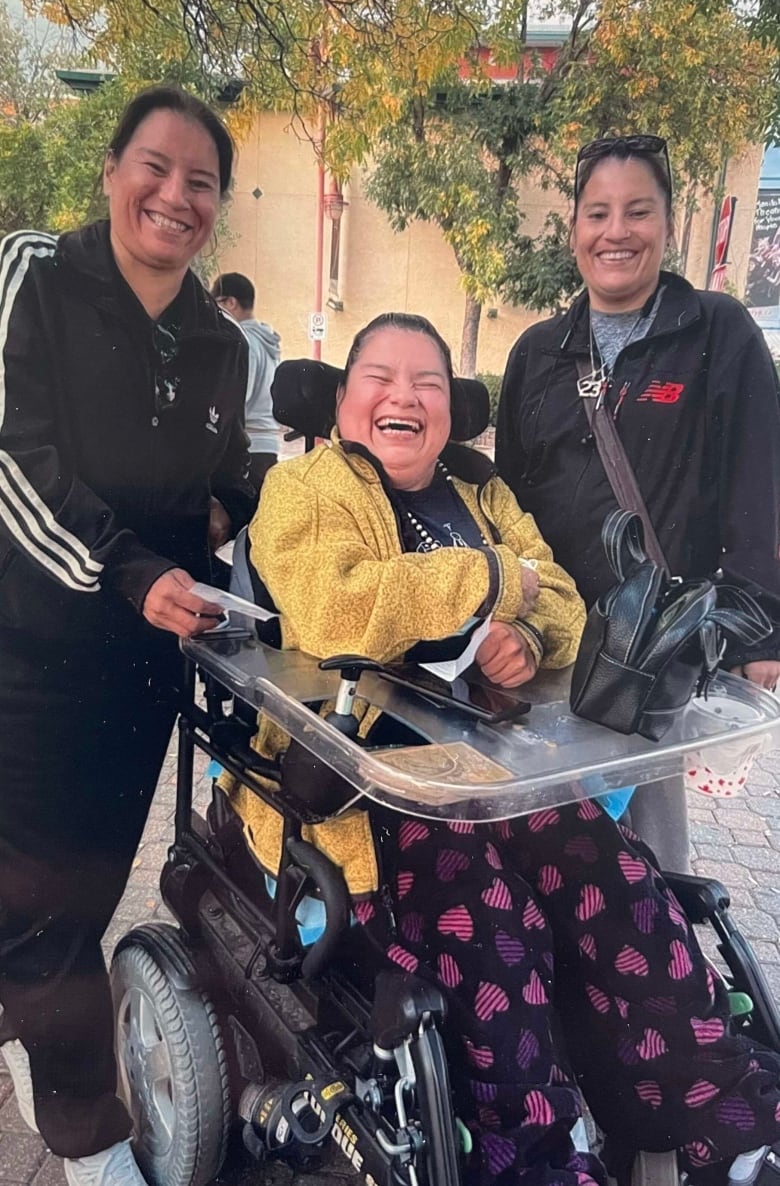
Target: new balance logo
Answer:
[[662, 393]]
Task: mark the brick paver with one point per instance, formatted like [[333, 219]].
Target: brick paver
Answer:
[[736, 840]]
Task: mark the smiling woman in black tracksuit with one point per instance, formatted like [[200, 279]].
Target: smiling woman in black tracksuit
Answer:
[[122, 459], [695, 399]]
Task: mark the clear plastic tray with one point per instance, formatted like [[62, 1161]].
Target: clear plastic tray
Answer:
[[471, 770]]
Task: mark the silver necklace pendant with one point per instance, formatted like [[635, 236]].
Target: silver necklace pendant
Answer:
[[594, 385]]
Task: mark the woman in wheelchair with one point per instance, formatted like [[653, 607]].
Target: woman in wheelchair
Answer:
[[564, 957]]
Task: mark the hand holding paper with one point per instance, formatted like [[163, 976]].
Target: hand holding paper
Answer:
[[228, 601], [450, 669]]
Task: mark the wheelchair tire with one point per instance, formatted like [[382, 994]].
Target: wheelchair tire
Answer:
[[434, 1101], [172, 1063]]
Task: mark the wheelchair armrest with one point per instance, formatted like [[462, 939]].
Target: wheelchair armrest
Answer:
[[329, 880], [700, 897], [232, 736]]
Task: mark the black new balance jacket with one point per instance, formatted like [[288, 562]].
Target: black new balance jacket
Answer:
[[698, 412], [102, 489]]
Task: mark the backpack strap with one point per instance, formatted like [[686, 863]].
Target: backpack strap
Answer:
[[617, 467]]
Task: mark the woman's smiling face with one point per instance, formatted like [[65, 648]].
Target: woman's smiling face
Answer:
[[163, 191], [620, 233], [396, 402]]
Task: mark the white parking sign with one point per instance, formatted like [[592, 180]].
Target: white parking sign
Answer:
[[318, 327]]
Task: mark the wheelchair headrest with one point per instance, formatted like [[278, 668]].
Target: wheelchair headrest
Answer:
[[304, 398]]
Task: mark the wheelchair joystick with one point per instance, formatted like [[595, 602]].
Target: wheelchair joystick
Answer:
[[350, 668]]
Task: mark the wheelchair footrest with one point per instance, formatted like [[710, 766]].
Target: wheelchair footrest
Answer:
[[400, 1003]]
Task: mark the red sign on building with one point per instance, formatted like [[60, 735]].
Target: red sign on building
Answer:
[[722, 238]]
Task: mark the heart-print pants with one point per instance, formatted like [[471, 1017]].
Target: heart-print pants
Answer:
[[567, 961]]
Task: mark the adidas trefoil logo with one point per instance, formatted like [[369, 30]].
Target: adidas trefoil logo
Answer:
[[213, 420]]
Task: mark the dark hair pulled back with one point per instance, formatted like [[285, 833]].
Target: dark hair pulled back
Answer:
[[412, 322], [170, 98], [657, 165]]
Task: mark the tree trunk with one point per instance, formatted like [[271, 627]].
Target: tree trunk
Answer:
[[468, 347]]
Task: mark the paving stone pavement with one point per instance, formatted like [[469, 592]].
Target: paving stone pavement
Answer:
[[736, 840]]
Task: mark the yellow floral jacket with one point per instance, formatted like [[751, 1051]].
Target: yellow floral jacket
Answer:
[[326, 542]]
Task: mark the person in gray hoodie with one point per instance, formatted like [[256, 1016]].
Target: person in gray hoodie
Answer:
[[236, 295]]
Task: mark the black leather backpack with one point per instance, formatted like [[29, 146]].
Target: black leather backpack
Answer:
[[653, 641]]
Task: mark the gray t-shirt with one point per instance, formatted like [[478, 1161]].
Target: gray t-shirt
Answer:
[[613, 331]]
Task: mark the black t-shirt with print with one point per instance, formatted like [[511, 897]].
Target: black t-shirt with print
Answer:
[[443, 516]]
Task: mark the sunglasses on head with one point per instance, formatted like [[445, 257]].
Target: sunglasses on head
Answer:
[[166, 381], [638, 145]]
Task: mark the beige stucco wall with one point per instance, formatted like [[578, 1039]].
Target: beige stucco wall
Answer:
[[742, 183], [414, 270]]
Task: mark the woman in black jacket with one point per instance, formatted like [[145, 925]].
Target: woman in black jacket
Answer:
[[122, 462], [694, 396]]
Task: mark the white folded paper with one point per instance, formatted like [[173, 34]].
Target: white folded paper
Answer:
[[229, 601], [450, 669]]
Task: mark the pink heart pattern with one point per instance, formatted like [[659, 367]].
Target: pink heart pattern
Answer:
[[462, 827], [412, 831], [401, 956], [490, 999], [478, 1056], [497, 895], [458, 922], [549, 879], [652, 1045], [680, 964], [449, 972], [364, 911], [492, 856], [699, 1152], [533, 919], [677, 916], [404, 883], [649, 1092], [591, 903], [587, 945], [630, 962], [538, 1110], [598, 999], [534, 992], [588, 810], [700, 1093], [543, 819], [633, 868]]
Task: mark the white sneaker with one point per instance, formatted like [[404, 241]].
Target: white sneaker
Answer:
[[113, 1167], [18, 1062]]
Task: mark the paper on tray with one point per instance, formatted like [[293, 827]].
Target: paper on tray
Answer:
[[450, 669], [229, 601]]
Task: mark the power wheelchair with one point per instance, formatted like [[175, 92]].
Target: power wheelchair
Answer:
[[241, 1018]]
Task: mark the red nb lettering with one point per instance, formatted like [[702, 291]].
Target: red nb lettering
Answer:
[[662, 393]]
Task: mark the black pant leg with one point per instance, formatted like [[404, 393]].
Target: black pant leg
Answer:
[[81, 760]]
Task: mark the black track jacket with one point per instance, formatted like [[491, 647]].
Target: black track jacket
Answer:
[[101, 490], [699, 417]]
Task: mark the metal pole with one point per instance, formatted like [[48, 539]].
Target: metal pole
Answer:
[[320, 233]]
